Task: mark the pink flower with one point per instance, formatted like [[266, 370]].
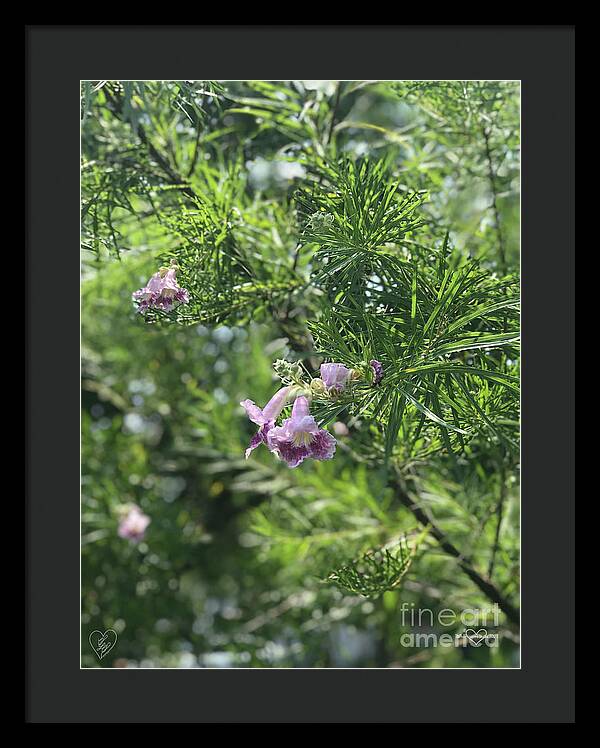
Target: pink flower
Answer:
[[299, 437], [134, 524], [266, 417], [335, 376], [161, 292]]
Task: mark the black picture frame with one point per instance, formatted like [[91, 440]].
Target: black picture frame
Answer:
[[57, 58]]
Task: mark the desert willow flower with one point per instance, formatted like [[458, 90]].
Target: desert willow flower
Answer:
[[299, 437], [133, 525], [265, 418], [335, 376], [161, 292]]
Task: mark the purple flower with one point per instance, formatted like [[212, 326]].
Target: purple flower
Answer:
[[161, 292], [265, 418], [299, 437], [377, 367], [134, 524], [335, 376]]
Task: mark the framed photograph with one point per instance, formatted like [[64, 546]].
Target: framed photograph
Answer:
[[302, 454]]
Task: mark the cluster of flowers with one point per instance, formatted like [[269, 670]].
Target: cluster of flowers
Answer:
[[161, 292], [299, 437]]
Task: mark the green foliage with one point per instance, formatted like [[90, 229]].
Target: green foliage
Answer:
[[470, 131], [364, 207], [310, 222], [375, 572]]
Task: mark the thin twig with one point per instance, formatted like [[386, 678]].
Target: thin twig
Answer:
[[173, 176]]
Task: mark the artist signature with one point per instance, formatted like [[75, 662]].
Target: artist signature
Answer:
[[102, 643]]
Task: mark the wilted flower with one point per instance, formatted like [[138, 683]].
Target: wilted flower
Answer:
[[265, 417], [161, 292], [134, 524], [335, 376], [300, 437], [377, 367]]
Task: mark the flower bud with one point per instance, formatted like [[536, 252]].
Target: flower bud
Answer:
[[288, 372], [340, 429], [299, 391], [377, 369], [317, 386]]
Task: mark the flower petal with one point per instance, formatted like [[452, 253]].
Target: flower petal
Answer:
[[322, 446], [259, 438], [291, 454], [304, 425], [169, 280], [300, 409], [255, 414], [334, 375], [276, 404]]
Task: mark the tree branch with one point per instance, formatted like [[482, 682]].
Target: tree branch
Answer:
[[499, 512], [485, 585], [494, 190], [196, 148]]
